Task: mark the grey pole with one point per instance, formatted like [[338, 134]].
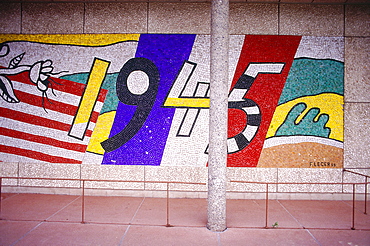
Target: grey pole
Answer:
[[218, 110]]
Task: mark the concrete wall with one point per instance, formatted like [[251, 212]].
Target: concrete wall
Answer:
[[349, 21]]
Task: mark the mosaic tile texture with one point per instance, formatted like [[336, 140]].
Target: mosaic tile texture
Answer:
[[130, 99]]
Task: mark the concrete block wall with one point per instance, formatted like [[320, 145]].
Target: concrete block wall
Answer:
[[331, 18]]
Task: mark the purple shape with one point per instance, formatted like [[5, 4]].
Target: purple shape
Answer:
[[167, 52]]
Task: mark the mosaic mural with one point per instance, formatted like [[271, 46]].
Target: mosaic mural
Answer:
[[144, 100]]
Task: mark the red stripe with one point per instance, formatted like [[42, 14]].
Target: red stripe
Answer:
[[266, 89], [43, 140], [34, 120], [48, 103], [94, 116], [36, 155], [56, 83], [63, 85], [88, 133], [102, 94]]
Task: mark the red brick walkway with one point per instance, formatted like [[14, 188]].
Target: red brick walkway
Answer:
[[34, 219]]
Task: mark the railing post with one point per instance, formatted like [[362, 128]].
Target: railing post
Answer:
[[168, 207], [1, 181], [365, 195], [267, 204], [83, 203], [353, 205]]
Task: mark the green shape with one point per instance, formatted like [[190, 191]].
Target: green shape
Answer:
[[307, 126], [311, 77], [109, 83]]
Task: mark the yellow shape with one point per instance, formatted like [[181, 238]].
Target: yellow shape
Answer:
[[187, 102], [101, 132], [328, 103], [91, 93], [71, 39]]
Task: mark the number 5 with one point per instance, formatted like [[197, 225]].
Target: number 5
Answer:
[[248, 106]]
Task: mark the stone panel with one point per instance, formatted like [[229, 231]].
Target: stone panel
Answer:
[[9, 169], [254, 19], [357, 69], [357, 20], [268, 175], [311, 20], [184, 174], [116, 18], [51, 18], [356, 134], [311, 176], [10, 17], [113, 172], [179, 18], [51, 172]]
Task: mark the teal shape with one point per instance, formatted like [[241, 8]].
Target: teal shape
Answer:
[[109, 83], [309, 76], [307, 126]]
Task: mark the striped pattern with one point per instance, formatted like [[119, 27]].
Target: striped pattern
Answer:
[[34, 131], [250, 108]]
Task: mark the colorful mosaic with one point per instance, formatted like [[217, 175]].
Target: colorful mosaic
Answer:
[[144, 100]]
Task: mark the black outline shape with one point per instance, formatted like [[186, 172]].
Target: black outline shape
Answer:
[[88, 122], [144, 102]]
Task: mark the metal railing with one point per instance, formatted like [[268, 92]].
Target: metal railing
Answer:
[[109, 180], [366, 181], [302, 183], [168, 183]]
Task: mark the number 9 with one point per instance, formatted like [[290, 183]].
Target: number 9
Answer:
[[144, 99]]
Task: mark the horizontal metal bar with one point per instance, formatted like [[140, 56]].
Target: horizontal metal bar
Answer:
[[107, 180], [364, 175], [299, 183]]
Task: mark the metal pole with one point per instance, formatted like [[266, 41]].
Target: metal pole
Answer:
[[168, 206], [1, 182], [365, 195], [353, 206], [267, 204], [217, 158], [83, 202]]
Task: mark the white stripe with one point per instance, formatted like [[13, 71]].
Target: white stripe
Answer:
[[6, 157], [181, 80], [252, 110], [276, 141], [255, 68], [321, 48], [98, 106], [38, 111], [42, 148], [250, 132], [202, 90], [61, 96], [237, 95], [232, 146], [188, 122], [41, 131], [78, 130], [235, 49]]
